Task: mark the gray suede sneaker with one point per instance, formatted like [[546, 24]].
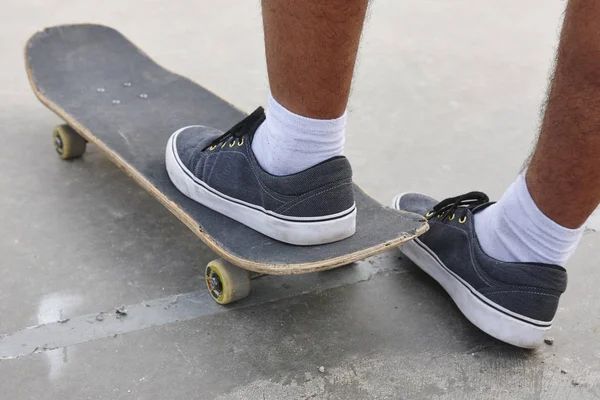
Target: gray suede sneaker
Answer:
[[513, 302], [219, 170]]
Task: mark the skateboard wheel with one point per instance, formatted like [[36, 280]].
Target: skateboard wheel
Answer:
[[68, 143], [226, 283]]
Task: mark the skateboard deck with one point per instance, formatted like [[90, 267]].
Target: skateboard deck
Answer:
[[117, 98]]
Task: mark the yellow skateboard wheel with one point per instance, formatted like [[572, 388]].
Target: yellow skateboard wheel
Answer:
[[68, 143], [226, 283]]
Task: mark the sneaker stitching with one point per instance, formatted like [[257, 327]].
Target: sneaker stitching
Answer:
[[522, 291], [471, 255], [300, 201], [247, 147], [205, 165], [181, 150], [476, 266], [213, 168]]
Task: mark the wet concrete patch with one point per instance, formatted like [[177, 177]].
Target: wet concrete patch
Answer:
[[66, 331]]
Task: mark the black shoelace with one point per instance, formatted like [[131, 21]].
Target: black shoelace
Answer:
[[473, 201], [248, 124]]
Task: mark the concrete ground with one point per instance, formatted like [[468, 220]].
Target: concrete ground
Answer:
[[446, 100]]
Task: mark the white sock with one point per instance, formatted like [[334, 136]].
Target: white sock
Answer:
[[515, 230], [287, 143]]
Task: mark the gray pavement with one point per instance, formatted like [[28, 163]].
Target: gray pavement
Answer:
[[446, 99]]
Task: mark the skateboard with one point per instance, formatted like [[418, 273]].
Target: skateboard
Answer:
[[111, 94]]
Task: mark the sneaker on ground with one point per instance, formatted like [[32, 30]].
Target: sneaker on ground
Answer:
[[513, 302], [219, 170]]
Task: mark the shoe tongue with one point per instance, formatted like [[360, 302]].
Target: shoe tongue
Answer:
[[251, 129], [481, 207], [250, 124]]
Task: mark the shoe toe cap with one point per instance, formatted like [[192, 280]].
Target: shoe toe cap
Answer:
[[414, 202], [190, 140]]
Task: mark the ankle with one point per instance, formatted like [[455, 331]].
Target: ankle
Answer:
[[287, 143], [515, 230]]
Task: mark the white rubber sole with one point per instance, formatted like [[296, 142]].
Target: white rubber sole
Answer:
[[488, 316], [299, 231]]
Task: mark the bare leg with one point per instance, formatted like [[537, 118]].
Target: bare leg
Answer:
[[564, 173], [311, 48]]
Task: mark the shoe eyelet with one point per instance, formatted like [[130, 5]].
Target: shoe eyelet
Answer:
[[223, 145], [232, 144], [240, 142], [211, 148], [429, 214], [462, 220], [452, 217]]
